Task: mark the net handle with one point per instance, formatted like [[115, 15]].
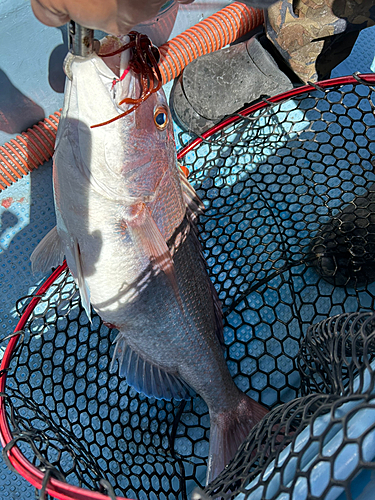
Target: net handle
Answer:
[[56, 488]]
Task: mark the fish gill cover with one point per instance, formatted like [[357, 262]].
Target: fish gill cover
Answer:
[[288, 235]]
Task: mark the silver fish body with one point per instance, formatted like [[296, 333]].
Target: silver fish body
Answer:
[[125, 222]]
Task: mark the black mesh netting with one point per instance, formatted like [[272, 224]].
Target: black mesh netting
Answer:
[[289, 238], [322, 444]]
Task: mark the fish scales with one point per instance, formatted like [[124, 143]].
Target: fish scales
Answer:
[[169, 199], [125, 223]]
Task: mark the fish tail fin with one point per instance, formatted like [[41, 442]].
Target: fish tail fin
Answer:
[[228, 431]]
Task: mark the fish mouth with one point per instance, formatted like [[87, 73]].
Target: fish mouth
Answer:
[[119, 62], [137, 57], [114, 89]]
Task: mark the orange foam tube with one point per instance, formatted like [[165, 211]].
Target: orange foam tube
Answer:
[[209, 35], [32, 148], [27, 151]]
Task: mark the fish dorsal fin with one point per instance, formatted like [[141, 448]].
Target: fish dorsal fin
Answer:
[[80, 278], [218, 314], [191, 198], [49, 253], [147, 237], [146, 377]]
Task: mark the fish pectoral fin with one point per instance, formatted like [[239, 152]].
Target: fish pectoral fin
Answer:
[[147, 237], [191, 198], [146, 377], [80, 278], [49, 253]]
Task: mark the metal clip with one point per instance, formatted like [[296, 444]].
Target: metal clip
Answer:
[[81, 43], [80, 40]]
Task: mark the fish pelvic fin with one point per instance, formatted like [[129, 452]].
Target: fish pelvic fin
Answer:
[[146, 235], [82, 285], [146, 377], [49, 253], [228, 431]]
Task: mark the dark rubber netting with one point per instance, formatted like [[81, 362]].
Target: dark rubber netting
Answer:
[[288, 235]]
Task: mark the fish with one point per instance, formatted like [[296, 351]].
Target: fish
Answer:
[[126, 223]]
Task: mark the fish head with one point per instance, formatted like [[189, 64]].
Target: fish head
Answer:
[[143, 126], [124, 147]]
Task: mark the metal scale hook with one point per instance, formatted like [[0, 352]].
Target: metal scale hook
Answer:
[[81, 40], [81, 43]]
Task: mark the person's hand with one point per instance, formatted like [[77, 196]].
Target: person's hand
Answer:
[[113, 16]]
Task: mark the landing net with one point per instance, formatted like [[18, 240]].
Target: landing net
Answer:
[[289, 239]]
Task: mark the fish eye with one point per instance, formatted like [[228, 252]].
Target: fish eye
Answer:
[[161, 117]]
